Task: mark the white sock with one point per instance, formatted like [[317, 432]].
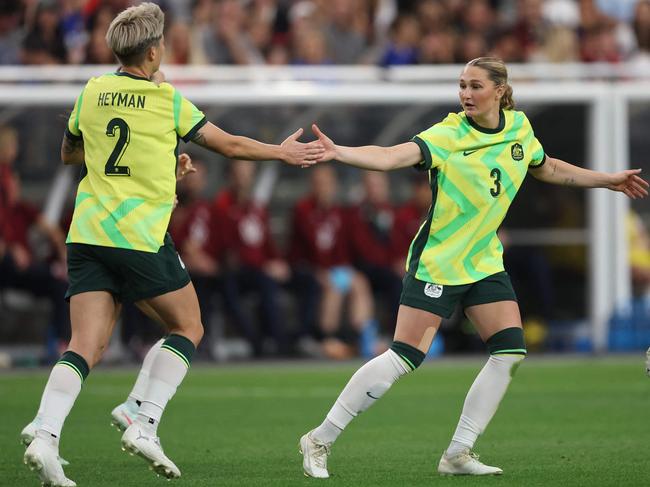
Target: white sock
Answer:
[[167, 372], [367, 385], [141, 382], [482, 400], [59, 396]]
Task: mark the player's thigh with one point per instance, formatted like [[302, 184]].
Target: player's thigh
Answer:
[[416, 327], [92, 317], [179, 311], [490, 318]]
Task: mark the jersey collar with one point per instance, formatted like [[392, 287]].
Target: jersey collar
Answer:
[[499, 128], [129, 75]]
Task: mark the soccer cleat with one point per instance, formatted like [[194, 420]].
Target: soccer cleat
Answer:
[[314, 457], [647, 362], [123, 416], [42, 457], [465, 463], [137, 441], [28, 434]]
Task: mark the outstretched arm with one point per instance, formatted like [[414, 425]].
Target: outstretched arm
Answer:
[[371, 157], [557, 171], [237, 147]]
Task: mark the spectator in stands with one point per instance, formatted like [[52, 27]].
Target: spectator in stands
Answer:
[[11, 36], [228, 42], [8, 154], [403, 46], [375, 243], [641, 26], [412, 214], [252, 265], [346, 30], [319, 240], [437, 47], [44, 41], [21, 269], [197, 239]]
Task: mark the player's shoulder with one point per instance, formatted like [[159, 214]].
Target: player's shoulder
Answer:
[[513, 116], [446, 127]]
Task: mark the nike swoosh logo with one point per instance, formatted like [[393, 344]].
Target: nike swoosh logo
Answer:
[[371, 396], [468, 152]]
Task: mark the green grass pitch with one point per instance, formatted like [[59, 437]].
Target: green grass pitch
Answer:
[[565, 422]]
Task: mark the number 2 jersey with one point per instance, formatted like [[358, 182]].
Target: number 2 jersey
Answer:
[[474, 174], [130, 129]]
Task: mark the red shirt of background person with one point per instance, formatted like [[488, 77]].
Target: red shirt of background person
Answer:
[[18, 219], [411, 215], [319, 233], [243, 224], [372, 229], [8, 153], [192, 225]]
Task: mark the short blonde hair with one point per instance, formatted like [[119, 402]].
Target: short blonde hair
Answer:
[[134, 31], [498, 73]]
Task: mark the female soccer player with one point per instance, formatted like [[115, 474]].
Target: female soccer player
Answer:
[[124, 128], [476, 161]]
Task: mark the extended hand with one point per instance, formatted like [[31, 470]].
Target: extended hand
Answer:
[[300, 154], [185, 166], [327, 143], [629, 183]]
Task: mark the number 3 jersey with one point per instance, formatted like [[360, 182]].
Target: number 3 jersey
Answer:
[[474, 174], [130, 129]]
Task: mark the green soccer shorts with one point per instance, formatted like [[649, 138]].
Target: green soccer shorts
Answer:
[[442, 300]]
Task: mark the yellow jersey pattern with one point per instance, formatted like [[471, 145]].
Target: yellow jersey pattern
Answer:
[[474, 174], [130, 129]]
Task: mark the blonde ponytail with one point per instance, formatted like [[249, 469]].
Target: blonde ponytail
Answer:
[[507, 103]]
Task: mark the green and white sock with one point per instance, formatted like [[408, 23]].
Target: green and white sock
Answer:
[[140, 386], [508, 350], [167, 372], [368, 384], [61, 391]]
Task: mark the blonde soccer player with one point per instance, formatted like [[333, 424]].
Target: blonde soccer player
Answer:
[[476, 161], [124, 129]]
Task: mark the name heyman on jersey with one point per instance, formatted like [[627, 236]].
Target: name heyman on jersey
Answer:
[[129, 100]]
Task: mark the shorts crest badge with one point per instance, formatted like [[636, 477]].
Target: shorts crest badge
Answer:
[[433, 290], [517, 152]]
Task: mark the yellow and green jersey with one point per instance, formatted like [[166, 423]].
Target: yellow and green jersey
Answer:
[[474, 174], [130, 129]]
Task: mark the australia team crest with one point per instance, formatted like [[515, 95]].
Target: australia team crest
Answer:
[[517, 152]]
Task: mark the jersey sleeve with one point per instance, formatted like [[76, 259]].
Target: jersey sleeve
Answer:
[[431, 143], [535, 149], [72, 130], [187, 118]]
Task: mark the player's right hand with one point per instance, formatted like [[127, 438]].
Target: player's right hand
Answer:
[[301, 154], [329, 146]]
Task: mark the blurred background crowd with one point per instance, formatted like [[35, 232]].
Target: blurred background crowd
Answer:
[[322, 32], [315, 269]]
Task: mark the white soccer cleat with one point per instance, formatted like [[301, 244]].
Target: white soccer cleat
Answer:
[[137, 441], [647, 362], [123, 416], [42, 457], [28, 434], [465, 463], [314, 457]]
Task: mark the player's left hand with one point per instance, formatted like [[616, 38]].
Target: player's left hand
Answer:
[[185, 166], [301, 154], [630, 183]]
